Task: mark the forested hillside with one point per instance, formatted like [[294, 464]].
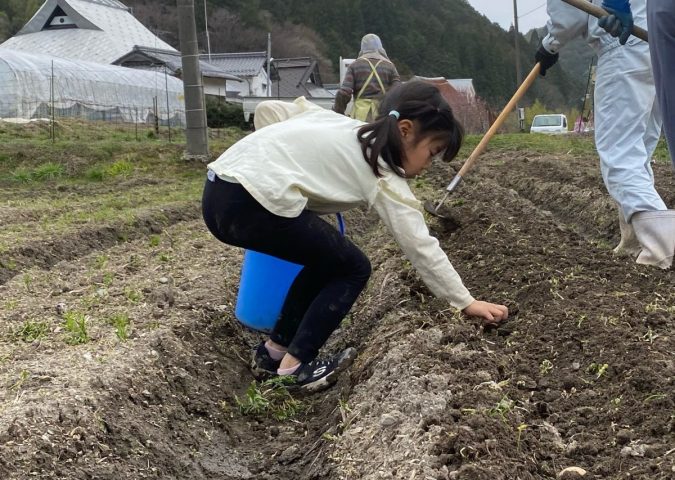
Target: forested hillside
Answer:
[[425, 37]]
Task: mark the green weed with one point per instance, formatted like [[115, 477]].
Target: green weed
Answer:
[[101, 261], [122, 168], [95, 173], [23, 376], [48, 171], [616, 402], [545, 367], [21, 175], [76, 328], [134, 296], [121, 324], [655, 397], [503, 407], [270, 398], [27, 282], [11, 304], [31, 331], [597, 369], [521, 428]]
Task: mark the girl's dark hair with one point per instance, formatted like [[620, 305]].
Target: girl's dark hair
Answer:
[[417, 101]]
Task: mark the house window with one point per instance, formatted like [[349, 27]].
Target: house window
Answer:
[[59, 20]]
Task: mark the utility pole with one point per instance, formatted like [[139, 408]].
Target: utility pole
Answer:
[[269, 64], [195, 113], [519, 78], [206, 27]]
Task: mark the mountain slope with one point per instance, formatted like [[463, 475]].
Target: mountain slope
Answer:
[[426, 37]]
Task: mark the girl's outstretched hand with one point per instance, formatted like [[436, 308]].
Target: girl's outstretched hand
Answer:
[[490, 312]]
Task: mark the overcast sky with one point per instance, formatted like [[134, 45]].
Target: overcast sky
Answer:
[[531, 13]]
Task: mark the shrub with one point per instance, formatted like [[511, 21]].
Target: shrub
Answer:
[[222, 114]]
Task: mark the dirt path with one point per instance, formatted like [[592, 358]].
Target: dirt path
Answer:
[[581, 375]]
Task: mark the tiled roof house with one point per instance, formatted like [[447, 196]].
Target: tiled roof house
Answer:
[[296, 77], [98, 31], [248, 66], [215, 79]]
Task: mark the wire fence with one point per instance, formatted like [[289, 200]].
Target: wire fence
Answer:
[[63, 94], [79, 120]]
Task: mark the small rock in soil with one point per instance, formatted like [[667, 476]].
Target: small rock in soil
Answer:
[[571, 473]]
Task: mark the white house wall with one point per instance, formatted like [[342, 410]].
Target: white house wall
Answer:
[[259, 85], [215, 86]]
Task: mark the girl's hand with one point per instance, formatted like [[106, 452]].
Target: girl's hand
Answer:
[[490, 312]]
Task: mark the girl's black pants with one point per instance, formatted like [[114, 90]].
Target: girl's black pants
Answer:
[[334, 270]]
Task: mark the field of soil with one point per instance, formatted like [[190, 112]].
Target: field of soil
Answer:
[[121, 358]]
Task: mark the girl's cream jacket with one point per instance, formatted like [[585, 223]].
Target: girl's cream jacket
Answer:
[[305, 157]]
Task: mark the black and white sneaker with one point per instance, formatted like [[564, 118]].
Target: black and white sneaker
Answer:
[[320, 374], [262, 365]]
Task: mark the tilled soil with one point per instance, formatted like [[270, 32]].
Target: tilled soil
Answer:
[[581, 375]]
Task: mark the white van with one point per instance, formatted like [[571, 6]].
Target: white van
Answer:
[[551, 123]]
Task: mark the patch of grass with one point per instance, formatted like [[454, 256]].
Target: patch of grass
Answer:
[[597, 369], [545, 367], [31, 331], [121, 323], [134, 296], [95, 173], [154, 240], [98, 173], [48, 171], [76, 328], [521, 428], [21, 175], [11, 304], [25, 375], [27, 282], [122, 168], [100, 262], [270, 398], [503, 407]]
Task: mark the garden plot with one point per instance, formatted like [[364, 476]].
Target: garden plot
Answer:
[[120, 356]]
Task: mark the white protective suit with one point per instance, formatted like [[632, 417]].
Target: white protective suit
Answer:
[[661, 21], [627, 115]]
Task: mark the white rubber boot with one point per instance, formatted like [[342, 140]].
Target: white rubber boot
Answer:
[[628, 245], [656, 233]]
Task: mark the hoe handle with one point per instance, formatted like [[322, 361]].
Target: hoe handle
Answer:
[[480, 148], [598, 12]]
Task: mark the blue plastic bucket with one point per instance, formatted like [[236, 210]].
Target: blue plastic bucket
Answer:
[[264, 284]]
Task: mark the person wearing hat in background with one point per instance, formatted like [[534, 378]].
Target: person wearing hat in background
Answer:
[[367, 79]]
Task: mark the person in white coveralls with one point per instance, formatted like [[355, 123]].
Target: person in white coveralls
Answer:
[[627, 125]]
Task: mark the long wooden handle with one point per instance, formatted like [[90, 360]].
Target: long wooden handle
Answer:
[[598, 12], [480, 148]]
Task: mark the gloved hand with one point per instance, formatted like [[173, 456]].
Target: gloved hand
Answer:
[[546, 59], [619, 22]]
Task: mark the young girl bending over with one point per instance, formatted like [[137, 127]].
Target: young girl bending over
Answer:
[[266, 193]]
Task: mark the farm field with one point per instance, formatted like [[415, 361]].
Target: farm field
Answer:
[[121, 358]]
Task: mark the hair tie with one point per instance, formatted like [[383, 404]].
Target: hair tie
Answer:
[[394, 113]]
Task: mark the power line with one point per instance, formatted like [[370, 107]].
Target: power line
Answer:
[[533, 10]]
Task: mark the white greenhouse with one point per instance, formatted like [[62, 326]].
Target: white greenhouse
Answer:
[[34, 85]]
